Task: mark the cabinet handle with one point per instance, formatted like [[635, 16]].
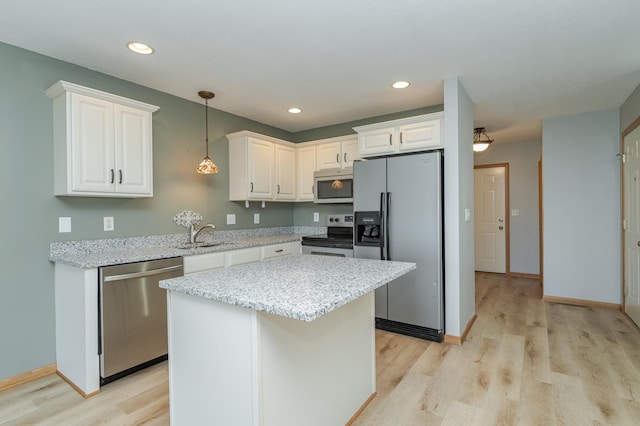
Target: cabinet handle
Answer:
[[345, 157], [400, 137], [279, 251], [251, 187], [390, 141], [338, 158], [313, 190], [278, 189], [112, 176], [120, 174]]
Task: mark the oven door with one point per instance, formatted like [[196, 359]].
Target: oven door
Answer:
[[333, 187], [327, 251]]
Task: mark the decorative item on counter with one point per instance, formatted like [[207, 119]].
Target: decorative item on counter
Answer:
[[187, 218]]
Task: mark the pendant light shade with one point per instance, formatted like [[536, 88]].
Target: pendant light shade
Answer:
[[206, 166], [481, 140]]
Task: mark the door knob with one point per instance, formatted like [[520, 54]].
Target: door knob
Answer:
[[502, 227]]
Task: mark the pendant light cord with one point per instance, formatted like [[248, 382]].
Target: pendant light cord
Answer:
[[206, 124]]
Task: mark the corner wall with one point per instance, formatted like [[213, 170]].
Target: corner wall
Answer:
[[458, 196]]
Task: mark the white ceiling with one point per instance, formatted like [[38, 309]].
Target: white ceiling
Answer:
[[520, 61]]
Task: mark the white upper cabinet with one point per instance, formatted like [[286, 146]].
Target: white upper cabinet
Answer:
[[420, 133], [102, 143], [337, 154], [260, 162], [306, 161], [285, 172], [261, 168]]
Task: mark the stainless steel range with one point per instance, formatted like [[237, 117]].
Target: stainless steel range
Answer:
[[338, 241]]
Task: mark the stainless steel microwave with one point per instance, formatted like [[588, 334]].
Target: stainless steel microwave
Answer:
[[333, 186]]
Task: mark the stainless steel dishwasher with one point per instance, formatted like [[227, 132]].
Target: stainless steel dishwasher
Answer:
[[133, 316]]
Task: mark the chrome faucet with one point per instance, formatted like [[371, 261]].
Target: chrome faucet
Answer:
[[194, 232]]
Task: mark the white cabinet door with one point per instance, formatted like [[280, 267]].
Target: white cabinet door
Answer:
[[328, 156], [133, 151], [260, 165], [285, 172], [376, 142], [91, 144], [306, 167], [349, 153], [422, 135]]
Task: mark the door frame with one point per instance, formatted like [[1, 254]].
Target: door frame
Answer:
[[625, 132], [507, 221]]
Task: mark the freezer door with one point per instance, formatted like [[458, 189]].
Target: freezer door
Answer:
[[369, 182], [415, 234]]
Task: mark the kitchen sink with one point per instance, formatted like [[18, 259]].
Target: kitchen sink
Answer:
[[195, 245]]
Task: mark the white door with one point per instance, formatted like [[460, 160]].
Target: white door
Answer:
[[349, 153], [490, 219], [328, 156], [631, 182], [133, 150], [306, 167], [260, 165], [285, 173], [93, 145]]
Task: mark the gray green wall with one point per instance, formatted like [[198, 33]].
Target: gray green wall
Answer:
[[29, 211]]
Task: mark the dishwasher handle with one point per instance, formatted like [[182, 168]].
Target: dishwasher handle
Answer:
[[141, 274]]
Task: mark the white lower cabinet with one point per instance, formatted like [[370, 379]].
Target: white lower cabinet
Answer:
[[76, 293], [202, 262]]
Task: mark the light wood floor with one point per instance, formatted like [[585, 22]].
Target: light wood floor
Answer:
[[525, 362]]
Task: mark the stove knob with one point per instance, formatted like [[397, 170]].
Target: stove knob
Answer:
[[337, 219]]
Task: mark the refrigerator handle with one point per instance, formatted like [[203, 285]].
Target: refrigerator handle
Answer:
[[386, 225], [382, 230]]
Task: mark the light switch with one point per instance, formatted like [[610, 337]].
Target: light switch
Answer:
[[64, 224], [256, 218], [231, 219], [108, 223], [515, 212], [316, 217]]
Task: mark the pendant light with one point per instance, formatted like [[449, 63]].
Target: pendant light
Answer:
[[206, 166], [479, 143]]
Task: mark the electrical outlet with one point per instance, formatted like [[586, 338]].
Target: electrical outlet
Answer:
[[515, 212], [109, 224], [64, 224], [316, 217], [256, 218], [467, 215], [231, 219]]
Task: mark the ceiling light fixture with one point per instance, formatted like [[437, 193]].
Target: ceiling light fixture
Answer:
[[206, 166], [294, 110], [480, 144], [400, 84], [141, 48]]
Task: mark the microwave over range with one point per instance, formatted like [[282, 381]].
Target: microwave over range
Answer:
[[333, 186]]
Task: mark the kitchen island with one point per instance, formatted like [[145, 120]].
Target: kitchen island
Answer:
[[287, 341]]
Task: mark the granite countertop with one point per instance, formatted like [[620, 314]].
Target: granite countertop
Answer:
[[302, 287], [96, 253]]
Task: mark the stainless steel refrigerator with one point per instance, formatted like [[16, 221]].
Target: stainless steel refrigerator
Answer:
[[397, 203]]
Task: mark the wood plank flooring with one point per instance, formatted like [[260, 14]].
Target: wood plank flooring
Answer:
[[525, 362]]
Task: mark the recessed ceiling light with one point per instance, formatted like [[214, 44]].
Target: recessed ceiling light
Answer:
[[140, 48], [294, 110], [400, 84]]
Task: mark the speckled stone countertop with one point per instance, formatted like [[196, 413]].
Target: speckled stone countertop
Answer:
[[302, 287], [88, 254]]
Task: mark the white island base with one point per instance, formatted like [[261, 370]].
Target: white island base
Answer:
[[230, 365]]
